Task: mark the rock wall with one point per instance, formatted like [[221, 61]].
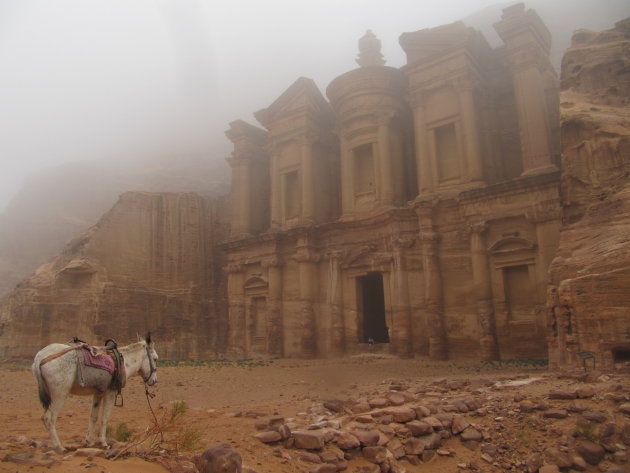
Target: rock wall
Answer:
[[150, 263], [59, 203], [589, 294]]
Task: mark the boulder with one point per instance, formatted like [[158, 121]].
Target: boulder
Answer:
[[592, 452], [309, 439], [219, 459]]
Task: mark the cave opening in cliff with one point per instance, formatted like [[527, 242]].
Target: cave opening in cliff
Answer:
[[621, 355], [371, 302]]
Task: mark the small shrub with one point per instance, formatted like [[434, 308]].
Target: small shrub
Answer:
[[178, 409], [123, 434], [190, 439]]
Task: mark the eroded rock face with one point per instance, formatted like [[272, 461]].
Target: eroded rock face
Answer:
[[149, 264], [590, 275]]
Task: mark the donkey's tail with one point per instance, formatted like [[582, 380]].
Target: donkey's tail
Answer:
[[44, 396]]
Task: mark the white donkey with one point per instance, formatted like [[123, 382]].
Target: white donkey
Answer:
[[58, 376]]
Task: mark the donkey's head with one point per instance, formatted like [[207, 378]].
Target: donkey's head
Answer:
[[148, 369]]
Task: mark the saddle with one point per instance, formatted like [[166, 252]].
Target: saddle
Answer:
[[105, 359]]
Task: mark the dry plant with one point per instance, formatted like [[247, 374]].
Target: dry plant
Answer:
[[169, 433]]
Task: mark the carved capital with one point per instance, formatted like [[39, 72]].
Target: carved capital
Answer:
[[235, 268], [384, 118], [544, 213], [337, 255], [478, 228], [382, 259], [272, 262], [429, 236], [403, 242], [307, 255]]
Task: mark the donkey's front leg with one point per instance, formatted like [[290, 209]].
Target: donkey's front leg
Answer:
[[108, 403], [96, 404]]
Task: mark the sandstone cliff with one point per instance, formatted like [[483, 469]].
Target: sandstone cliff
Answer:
[[589, 294], [150, 263], [57, 204]]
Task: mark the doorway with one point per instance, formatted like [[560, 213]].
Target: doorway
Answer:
[[371, 303]]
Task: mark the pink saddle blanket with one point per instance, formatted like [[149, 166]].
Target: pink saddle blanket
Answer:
[[100, 361]]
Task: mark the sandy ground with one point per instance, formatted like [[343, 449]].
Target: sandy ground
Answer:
[[222, 401]]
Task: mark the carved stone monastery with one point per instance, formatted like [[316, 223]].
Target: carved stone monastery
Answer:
[[431, 210], [416, 207]]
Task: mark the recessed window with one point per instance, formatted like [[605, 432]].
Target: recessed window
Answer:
[[364, 169], [292, 198], [447, 152]]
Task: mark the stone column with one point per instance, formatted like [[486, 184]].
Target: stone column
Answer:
[[471, 132], [429, 241], [277, 186], [308, 180], [334, 300], [347, 184], [423, 162], [275, 341], [402, 331], [483, 290], [307, 259], [237, 330], [527, 43], [240, 197], [385, 160]]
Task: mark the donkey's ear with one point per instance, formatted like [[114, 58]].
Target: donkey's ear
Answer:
[[148, 338]]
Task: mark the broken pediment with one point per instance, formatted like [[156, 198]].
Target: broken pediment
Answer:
[[301, 98]]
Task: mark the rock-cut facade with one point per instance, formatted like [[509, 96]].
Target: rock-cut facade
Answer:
[[412, 211]]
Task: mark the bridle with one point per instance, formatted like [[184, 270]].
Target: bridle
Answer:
[[152, 367]]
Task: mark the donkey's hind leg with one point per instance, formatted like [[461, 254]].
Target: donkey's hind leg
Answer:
[[50, 421], [108, 403], [96, 404]]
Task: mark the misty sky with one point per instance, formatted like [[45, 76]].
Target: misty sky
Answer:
[[130, 79]]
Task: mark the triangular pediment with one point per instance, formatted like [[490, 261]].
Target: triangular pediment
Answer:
[[302, 97]]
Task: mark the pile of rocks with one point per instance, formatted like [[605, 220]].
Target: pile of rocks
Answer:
[[404, 425]]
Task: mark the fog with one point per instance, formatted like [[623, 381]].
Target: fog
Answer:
[[137, 79]]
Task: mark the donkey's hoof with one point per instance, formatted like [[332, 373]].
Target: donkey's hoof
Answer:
[[60, 450]]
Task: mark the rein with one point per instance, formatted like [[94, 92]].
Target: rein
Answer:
[[152, 367]]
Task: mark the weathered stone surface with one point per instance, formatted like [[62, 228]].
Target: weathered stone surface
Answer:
[[347, 441], [324, 468], [413, 446], [419, 428], [375, 454], [270, 436], [590, 451], [556, 413], [309, 439], [459, 424], [367, 438], [549, 469], [401, 414], [219, 459], [589, 274]]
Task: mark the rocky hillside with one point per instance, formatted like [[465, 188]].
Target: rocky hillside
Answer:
[[150, 263], [56, 205], [590, 276]]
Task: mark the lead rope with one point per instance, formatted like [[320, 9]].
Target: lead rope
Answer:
[[157, 424]]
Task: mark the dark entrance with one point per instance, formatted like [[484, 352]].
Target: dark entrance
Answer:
[[372, 309]]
